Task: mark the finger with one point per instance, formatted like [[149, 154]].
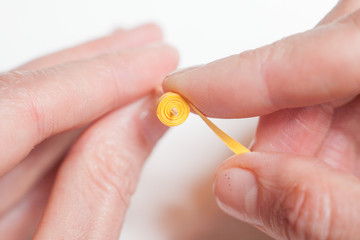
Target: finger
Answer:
[[290, 197], [303, 130], [305, 69], [94, 185], [20, 180], [120, 39], [54, 148], [298, 130], [21, 221], [321, 131], [340, 148], [71, 95], [33, 167], [23, 177], [343, 8]]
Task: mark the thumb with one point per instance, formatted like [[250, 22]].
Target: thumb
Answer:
[[289, 196]]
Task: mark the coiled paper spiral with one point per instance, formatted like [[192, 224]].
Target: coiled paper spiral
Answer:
[[173, 110]]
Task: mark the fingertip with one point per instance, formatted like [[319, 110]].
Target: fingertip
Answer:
[[170, 84], [122, 38], [236, 193], [165, 58], [175, 55], [118, 31], [293, 195], [213, 88], [146, 28], [149, 30], [153, 60], [236, 189], [150, 126], [237, 161], [153, 27], [172, 81], [171, 56]]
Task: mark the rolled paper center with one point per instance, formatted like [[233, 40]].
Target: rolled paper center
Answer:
[[174, 111]]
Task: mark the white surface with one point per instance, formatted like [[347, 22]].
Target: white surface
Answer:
[[202, 30]]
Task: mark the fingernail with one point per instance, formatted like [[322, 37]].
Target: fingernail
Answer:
[[153, 129], [252, 143], [118, 31], [181, 71], [139, 28], [171, 81], [147, 27], [236, 193], [155, 45]]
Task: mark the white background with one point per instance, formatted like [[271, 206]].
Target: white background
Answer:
[[174, 198]]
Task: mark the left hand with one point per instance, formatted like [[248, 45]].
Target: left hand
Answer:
[[79, 99]]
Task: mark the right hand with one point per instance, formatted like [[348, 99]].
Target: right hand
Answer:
[[301, 181]]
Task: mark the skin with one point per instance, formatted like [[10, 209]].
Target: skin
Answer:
[[302, 179], [77, 126]]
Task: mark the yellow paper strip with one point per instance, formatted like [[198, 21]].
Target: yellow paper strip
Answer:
[[172, 110]]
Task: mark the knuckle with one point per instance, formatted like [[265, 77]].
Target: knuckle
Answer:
[[111, 72], [273, 70], [9, 80], [355, 20], [304, 212], [17, 94], [352, 21], [266, 66], [112, 172], [30, 102]]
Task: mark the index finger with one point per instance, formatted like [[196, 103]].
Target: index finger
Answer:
[[341, 9], [39, 104], [94, 185], [309, 68]]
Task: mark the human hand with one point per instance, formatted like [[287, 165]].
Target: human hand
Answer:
[[301, 181], [48, 103]]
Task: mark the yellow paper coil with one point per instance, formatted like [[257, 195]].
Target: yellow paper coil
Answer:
[[173, 110]]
